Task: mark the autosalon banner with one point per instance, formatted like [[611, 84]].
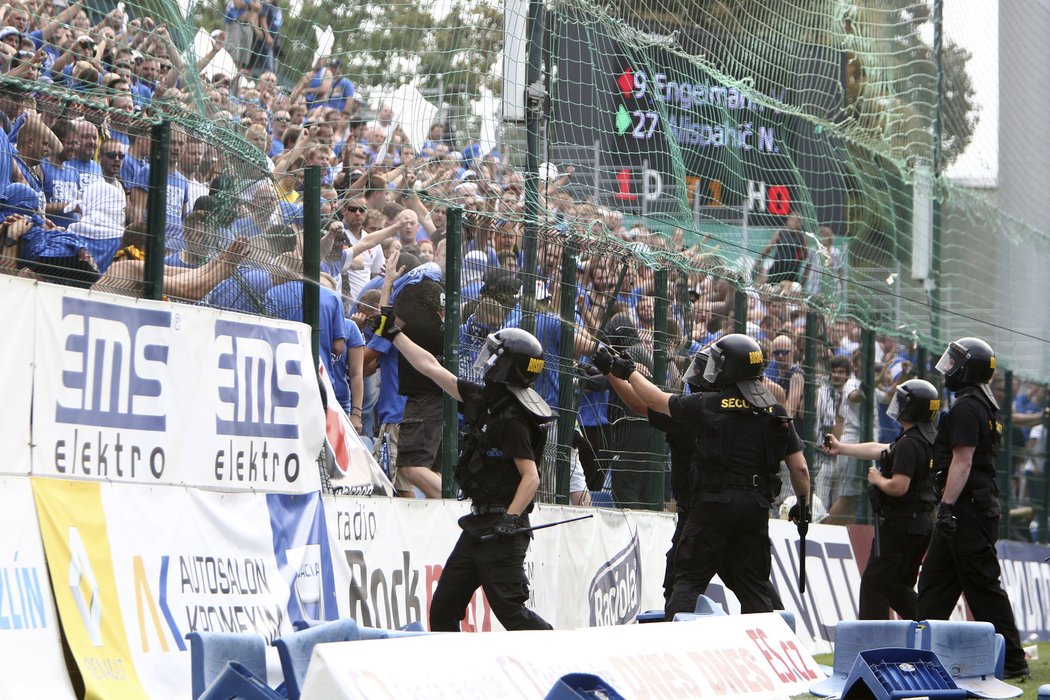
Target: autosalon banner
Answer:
[[148, 392], [29, 635], [139, 567], [16, 381]]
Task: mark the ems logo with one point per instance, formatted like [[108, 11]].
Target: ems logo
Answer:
[[755, 356], [260, 374], [114, 365], [615, 591]]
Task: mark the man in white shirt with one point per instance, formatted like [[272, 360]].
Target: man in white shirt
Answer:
[[359, 270], [103, 205]]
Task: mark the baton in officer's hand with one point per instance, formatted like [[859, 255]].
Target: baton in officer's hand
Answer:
[[493, 535], [799, 514]]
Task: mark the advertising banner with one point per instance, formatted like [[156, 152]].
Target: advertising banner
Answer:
[[29, 635], [16, 381], [740, 656], [138, 391], [167, 561], [583, 573]]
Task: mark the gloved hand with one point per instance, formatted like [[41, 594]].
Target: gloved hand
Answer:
[[508, 526], [799, 514], [622, 367], [383, 325], [593, 379], [603, 359], [947, 523]]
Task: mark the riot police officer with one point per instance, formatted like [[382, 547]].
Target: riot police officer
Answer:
[[741, 436], [961, 557], [902, 495], [496, 470]]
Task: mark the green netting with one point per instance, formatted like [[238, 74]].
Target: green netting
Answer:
[[667, 145]]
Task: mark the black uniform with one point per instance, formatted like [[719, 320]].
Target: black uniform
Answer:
[[738, 453], [966, 562], [501, 430], [905, 528]]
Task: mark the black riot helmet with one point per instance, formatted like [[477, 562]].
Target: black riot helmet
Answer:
[[737, 359], [510, 356], [916, 401], [694, 373], [967, 361]]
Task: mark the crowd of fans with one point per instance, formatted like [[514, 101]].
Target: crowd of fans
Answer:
[[78, 93]]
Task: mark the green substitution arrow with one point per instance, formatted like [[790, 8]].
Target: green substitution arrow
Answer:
[[623, 120]]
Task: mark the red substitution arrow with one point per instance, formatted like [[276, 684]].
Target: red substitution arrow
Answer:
[[626, 82]]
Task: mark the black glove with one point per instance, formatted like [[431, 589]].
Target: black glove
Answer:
[[382, 325], [947, 523], [603, 359], [507, 527], [622, 367], [799, 514], [593, 379]]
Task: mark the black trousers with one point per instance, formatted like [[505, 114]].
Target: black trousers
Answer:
[[967, 563], [727, 533], [497, 566], [889, 578], [726, 574]]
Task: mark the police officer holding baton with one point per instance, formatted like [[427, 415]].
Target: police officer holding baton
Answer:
[[901, 490], [962, 557], [496, 470], [741, 436]]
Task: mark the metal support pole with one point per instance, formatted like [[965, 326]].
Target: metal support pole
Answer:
[[809, 390], [867, 406], [567, 410], [935, 245], [450, 437], [157, 208], [657, 443], [740, 311], [312, 257], [1006, 455], [535, 105]]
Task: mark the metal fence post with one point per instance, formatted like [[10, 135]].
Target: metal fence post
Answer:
[[867, 408], [1006, 454], [157, 208], [809, 390], [740, 311], [657, 442], [312, 257], [450, 437], [566, 395]]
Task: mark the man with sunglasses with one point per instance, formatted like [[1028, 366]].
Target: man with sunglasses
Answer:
[[103, 205], [368, 264]]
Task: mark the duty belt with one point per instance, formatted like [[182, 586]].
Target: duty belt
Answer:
[[487, 510], [754, 482]]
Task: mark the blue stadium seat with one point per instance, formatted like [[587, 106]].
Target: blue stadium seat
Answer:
[[296, 649], [855, 636], [970, 652], [705, 607], [892, 674], [236, 681], [651, 616], [210, 652], [574, 686]]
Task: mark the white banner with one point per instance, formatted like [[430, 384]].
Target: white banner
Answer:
[[133, 390], [743, 656], [16, 381], [164, 561], [388, 554], [29, 633]]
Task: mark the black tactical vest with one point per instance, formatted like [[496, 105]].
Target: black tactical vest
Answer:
[[484, 474], [982, 470], [740, 446], [920, 494]]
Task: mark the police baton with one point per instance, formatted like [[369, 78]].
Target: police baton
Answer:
[[492, 535], [803, 529]]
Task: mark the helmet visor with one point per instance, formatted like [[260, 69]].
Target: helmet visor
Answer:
[[714, 364], [896, 404], [697, 368], [951, 359], [487, 355]]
